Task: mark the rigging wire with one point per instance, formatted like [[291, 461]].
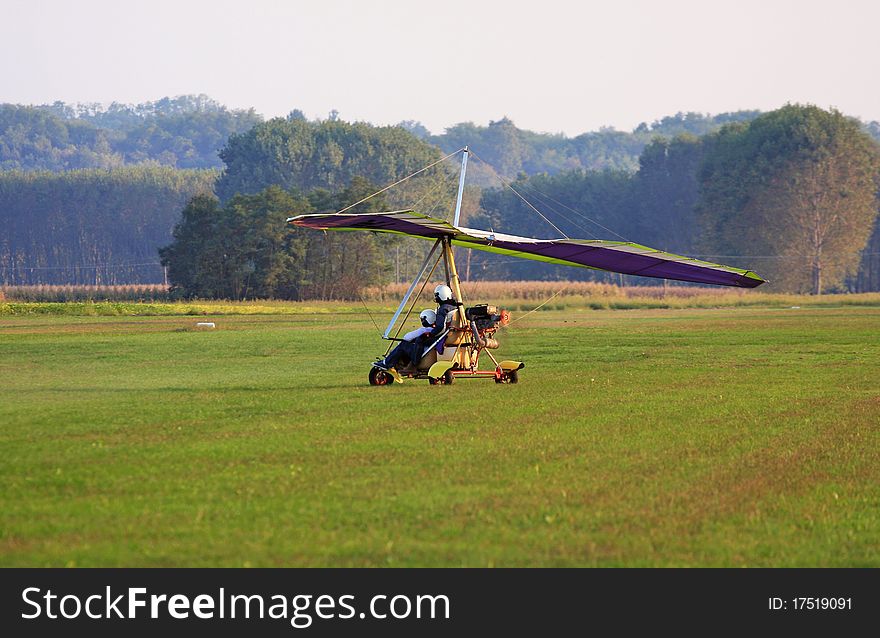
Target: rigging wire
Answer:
[[438, 189], [528, 203], [413, 304], [557, 202], [590, 233], [538, 307], [400, 181], [577, 212], [378, 329], [430, 195], [82, 267]]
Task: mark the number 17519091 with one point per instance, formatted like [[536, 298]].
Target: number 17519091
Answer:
[[809, 603]]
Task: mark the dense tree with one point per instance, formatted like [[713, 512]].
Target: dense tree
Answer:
[[511, 150], [193, 259], [792, 189], [32, 139], [868, 277], [238, 251], [307, 155], [184, 132], [338, 265], [91, 226], [416, 128], [798, 184], [665, 192], [692, 123], [244, 249]]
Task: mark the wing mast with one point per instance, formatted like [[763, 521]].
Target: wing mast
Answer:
[[464, 159], [451, 273]]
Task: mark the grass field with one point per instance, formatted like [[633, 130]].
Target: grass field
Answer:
[[698, 437]]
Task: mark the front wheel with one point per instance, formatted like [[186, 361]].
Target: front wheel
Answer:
[[378, 376]]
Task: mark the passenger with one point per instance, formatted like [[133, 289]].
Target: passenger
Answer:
[[413, 344]]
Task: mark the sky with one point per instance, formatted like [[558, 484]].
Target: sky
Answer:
[[549, 65]]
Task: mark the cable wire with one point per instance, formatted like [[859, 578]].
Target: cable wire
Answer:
[[527, 202], [400, 181]]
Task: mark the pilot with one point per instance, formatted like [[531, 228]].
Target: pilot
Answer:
[[413, 344], [446, 306]]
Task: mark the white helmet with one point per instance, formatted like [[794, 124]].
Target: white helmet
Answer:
[[428, 317], [442, 293]]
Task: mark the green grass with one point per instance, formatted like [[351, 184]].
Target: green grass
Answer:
[[733, 437]]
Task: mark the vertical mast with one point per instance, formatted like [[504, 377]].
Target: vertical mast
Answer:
[[452, 273], [464, 159]]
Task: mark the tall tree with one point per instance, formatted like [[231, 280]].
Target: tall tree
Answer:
[[242, 250], [194, 257], [295, 153], [184, 132], [799, 185], [666, 192], [338, 265], [91, 226], [868, 278]]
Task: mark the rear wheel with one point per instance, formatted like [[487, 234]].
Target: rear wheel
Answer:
[[448, 377], [380, 377], [508, 377]]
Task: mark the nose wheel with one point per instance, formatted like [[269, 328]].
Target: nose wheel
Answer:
[[378, 376]]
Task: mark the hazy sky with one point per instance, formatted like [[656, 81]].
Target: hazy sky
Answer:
[[548, 65]]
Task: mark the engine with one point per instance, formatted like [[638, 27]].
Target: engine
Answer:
[[484, 320]]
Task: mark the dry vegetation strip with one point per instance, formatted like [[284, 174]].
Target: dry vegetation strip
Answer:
[[519, 296]]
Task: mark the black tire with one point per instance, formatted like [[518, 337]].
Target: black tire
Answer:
[[448, 377], [508, 377], [380, 377], [434, 381]]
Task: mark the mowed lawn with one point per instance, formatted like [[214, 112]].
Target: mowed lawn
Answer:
[[730, 437]]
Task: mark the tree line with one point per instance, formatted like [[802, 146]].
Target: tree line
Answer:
[[104, 226], [188, 131], [510, 150], [736, 194], [791, 194], [184, 132], [95, 226]]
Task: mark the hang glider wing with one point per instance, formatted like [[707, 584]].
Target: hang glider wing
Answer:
[[403, 222], [614, 256]]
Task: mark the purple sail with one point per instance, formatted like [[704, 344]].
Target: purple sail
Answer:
[[613, 256]]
